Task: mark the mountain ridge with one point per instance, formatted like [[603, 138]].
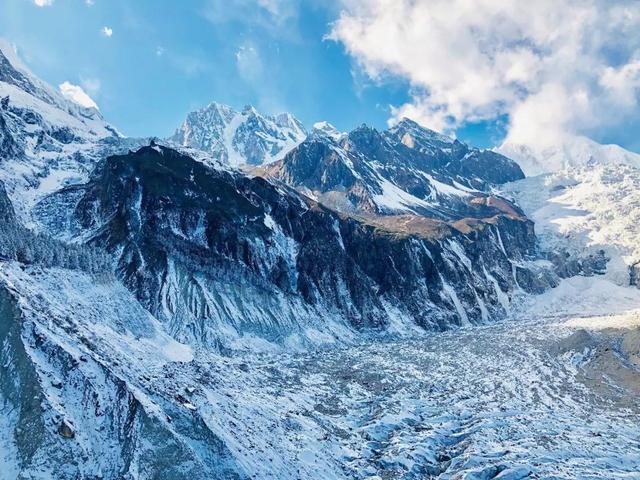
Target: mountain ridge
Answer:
[[239, 137]]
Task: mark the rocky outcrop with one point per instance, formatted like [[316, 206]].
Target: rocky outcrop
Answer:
[[7, 214], [407, 169], [219, 256]]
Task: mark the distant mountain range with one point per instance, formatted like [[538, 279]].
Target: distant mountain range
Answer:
[[407, 168], [239, 138]]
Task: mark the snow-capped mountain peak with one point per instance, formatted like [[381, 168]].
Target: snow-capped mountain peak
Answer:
[[576, 151], [327, 130], [238, 138], [414, 135]]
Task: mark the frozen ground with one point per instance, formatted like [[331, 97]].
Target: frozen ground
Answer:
[[520, 399], [552, 392], [546, 394]]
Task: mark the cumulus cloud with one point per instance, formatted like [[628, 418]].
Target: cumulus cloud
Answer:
[[76, 94], [107, 31], [43, 3], [556, 67]]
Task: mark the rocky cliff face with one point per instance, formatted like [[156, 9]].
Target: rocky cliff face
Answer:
[[221, 257], [7, 214], [407, 169]]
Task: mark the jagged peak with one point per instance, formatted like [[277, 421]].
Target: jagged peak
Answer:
[[287, 119], [407, 125], [249, 109], [240, 137], [364, 131], [325, 129], [222, 109]]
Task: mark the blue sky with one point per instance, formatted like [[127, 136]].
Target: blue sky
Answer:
[[561, 68], [165, 58]]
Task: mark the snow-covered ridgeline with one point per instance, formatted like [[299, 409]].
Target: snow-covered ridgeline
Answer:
[[239, 138]]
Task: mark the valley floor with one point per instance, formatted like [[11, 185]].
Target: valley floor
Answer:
[[543, 397], [552, 392]]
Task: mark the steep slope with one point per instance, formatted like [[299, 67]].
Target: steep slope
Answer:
[[222, 258], [91, 387], [46, 141], [64, 118], [238, 138], [77, 396], [586, 213], [407, 169]]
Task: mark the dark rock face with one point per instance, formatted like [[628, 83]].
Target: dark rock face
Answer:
[[210, 251], [568, 265], [406, 169], [471, 166], [8, 146], [7, 215]]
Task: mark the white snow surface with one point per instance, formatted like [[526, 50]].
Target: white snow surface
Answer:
[[573, 151], [54, 107], [586, 209], [493, 401], [239, 138], [325, 129]]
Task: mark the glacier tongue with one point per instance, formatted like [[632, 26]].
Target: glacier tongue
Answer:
[[116, 398]]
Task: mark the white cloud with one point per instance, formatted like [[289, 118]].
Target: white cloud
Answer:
[[556, 67], [89, 2], [107, 31], [249, 63], [77, 95], [43, 3], [268, 15], [91, 85]]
